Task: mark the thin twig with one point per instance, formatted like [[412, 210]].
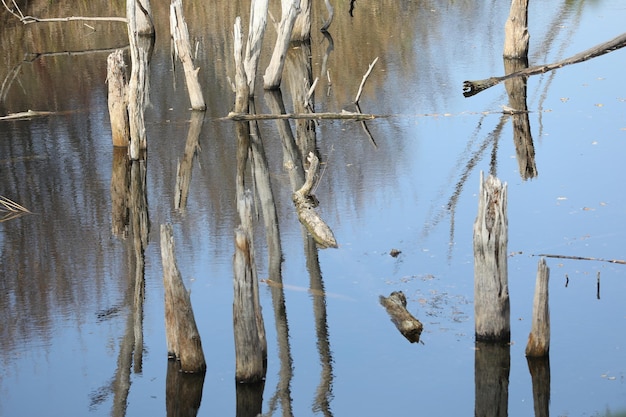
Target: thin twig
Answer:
[[583, 258], [7, 205], [367, 74]]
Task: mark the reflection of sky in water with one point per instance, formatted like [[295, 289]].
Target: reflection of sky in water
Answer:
[[573, 207]]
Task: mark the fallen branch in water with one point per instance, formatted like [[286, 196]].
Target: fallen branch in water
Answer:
[[583, 258], [471, 88], [11, 208], [26, 115], [410, 327], [32, 19], [342, 115], [367, 74]]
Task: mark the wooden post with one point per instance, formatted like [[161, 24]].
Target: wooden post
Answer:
[[539, 337], [256, 32], [241, 84], [182, 48], [516, 35], [491, 291], [273, 73], [183, 339], [118, 112], [250, 361]]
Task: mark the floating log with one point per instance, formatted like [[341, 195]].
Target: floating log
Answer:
[[273, 73], [27, 115], [516, 35], [118, 110], [471, 88], [409, 326], [305, 208], [183, 339], [539, 338], [491, 291], [182, 48]]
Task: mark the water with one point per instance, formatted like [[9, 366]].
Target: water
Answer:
[[65, 294]]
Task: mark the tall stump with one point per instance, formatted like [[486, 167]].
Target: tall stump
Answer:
[[491, 290]]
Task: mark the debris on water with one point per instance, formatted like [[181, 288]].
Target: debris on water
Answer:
[[395, 252]]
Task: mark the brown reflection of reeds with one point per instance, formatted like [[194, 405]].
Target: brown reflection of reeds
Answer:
[[491, 376]]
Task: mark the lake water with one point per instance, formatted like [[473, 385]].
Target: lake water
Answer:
[[68, 344]]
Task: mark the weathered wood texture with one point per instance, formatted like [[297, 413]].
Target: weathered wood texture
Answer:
[[241, 84], [492, 367], [471, 88], [409, 326], [302, 26], [273, 72], [182, 48], [539, 337], [250, 362], [305, 208], [138, 85], [256, 33], [143, 11], [118, 110], [516, 35], [491, 291], [183, 339]]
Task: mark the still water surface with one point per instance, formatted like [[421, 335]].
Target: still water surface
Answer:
[[66, 271]]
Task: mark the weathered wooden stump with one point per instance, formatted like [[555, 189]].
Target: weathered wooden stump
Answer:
[[118, 111], [491, 291], [274, 71], [516, 35], [183, 339], [182, 48], [305, 208], [539, 337], [409, 326]]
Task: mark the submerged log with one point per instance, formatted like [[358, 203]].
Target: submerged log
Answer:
[[491, 290], [409, 326], [516, 35], [118, 111], [471, 88], [183, 339], [539, 338], [305, 208], [182, 48]]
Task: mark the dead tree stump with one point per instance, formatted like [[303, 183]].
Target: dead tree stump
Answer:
[[274, 71], [409, 326], [491, 290], [183, 339], [516, 35], [118, 112], [539, 337], [256, 33], [182, 48]]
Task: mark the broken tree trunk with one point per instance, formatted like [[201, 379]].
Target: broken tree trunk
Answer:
[[241, 84], [539, 337], [273, 73], [302, 26], [182, 48], [409, 326], [305, 208], [249, 359], [516, 35], [256, 32], [183, 339], [491, 291], [471, 88], [118, 112]]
